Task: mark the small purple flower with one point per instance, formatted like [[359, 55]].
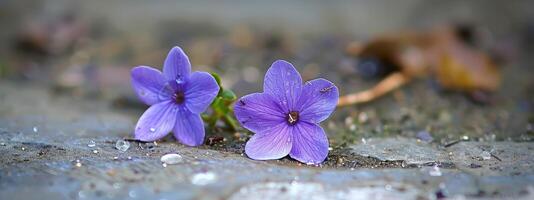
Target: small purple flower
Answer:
[[176, 98], [286, 115]]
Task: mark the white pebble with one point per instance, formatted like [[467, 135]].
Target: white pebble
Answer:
[[171, 159]]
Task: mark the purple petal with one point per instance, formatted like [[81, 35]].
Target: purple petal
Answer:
[[274, 143], [258, 112], [149, 85], [177, 66], [283, 82], [156, 122], [200, 92], [318, 100], [189, 128], [310, 144]]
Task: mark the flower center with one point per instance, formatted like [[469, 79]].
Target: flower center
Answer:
[[178, 97], [293, 117]]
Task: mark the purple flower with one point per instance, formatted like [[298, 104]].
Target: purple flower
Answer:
[[176, 98], [285, 116]]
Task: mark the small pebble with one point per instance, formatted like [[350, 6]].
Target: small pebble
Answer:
[[424, 136], [122, 145], [171, 159]]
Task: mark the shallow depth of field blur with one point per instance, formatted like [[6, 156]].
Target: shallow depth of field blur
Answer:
[[65, 81]]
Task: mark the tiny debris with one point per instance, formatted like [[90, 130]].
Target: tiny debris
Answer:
[[494, 156], [212, 140], [473, 165], [171, 159]]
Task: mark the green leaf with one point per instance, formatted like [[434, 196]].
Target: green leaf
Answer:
[[228, 95]]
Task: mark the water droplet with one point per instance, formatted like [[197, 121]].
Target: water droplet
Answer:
[[122, 145], [95, 151], [91, 144], [388, 187], [485, 155], [78, 163], [204, 178], [179, 80], [23, 148], [152, 129], [164, 164], [117, 186], [132, 194], [171, 159], [435, 171], [129, 158], [35, 129]]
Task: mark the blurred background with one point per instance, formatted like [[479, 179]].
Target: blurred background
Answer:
[[85, 50]]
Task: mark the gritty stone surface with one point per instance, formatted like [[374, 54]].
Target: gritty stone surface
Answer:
[[58, 162], [401, 149]]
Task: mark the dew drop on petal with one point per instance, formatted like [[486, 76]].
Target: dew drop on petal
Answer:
[[152, 129], [171, 159], [122, 145]]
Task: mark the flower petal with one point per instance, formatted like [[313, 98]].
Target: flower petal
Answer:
[[177, 66], [274, 143], [258, 112], [189, 128], [283, 82], [200, 92], [318, 100], [310, 144], [156, 122], [149, 85]]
